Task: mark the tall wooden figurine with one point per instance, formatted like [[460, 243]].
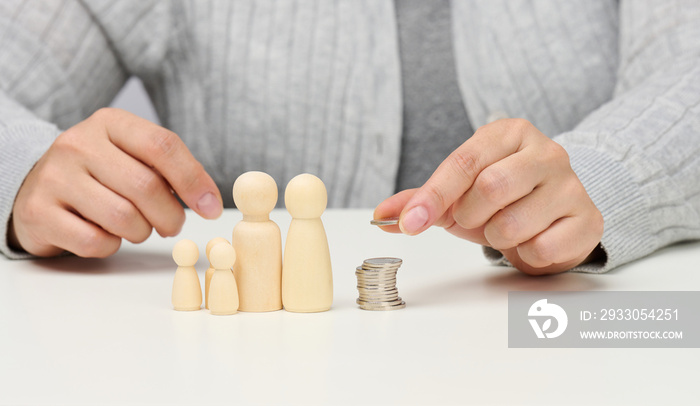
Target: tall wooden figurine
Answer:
[[223, 292], [307, 278], [258, 244], [210, 270], [187, 292]]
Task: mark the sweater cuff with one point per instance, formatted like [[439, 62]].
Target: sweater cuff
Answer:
[[21, 146], [617, 195]]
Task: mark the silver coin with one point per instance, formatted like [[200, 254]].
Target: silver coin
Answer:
[[370, 276], [364, 305], [377, 303], [382, 282], [383, 299], [365, 268], [376, 278], [378, 292], [383, 308], [367, 265], [375, 274], [375, 300], [380, 288], [389, 221], [375, 308], [378, 296], [382, 262], [388, 279], [370, 268], [377, 282], [374, 289], [374, 283], [362, 274], [395, 302], [371, 291]]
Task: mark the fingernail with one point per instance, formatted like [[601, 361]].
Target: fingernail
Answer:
[[414, 220], [209, 206]]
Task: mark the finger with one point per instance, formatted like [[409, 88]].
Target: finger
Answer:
[[74, 234], [34, 243], [164, 150], [392, 207], [498, 186], [457, 173], [140, 185], [565, 244], [475, 235], [28, 223], [529, 216], [112, 212]]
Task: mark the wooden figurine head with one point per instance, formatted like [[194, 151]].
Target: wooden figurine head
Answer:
[[305, 196], [222, 256], [255, 193], [213, 242], [185, 253]]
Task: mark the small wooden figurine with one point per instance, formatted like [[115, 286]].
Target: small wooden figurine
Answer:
[[223, 292], [210, 270], [187, 292]]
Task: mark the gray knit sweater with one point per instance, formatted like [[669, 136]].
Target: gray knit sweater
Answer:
[[314, 86]]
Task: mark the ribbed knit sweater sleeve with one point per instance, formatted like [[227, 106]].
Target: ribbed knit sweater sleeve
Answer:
[[639, 154], [56, 68]]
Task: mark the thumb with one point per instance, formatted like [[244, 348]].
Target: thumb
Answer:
[[431, 201], [392, 207], [457, 173]]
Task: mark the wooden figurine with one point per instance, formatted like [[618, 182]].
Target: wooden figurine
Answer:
[[258, 244], [223, 292], [210, 270], [187, 292], [307, 278]]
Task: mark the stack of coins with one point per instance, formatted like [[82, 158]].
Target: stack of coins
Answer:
[[376, 283]]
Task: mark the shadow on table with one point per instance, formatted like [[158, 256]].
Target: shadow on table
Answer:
[[121, 262], [494, 282], [509, 279]]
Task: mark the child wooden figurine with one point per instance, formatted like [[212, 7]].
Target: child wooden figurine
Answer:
[[210, 271], [187, 292], [223, 292]]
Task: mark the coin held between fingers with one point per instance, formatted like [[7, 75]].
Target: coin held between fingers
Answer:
[[389, 221]]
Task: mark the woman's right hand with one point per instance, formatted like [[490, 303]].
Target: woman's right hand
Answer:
[[109, 177]]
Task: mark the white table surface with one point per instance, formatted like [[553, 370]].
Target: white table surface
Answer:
[[87, 331]]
